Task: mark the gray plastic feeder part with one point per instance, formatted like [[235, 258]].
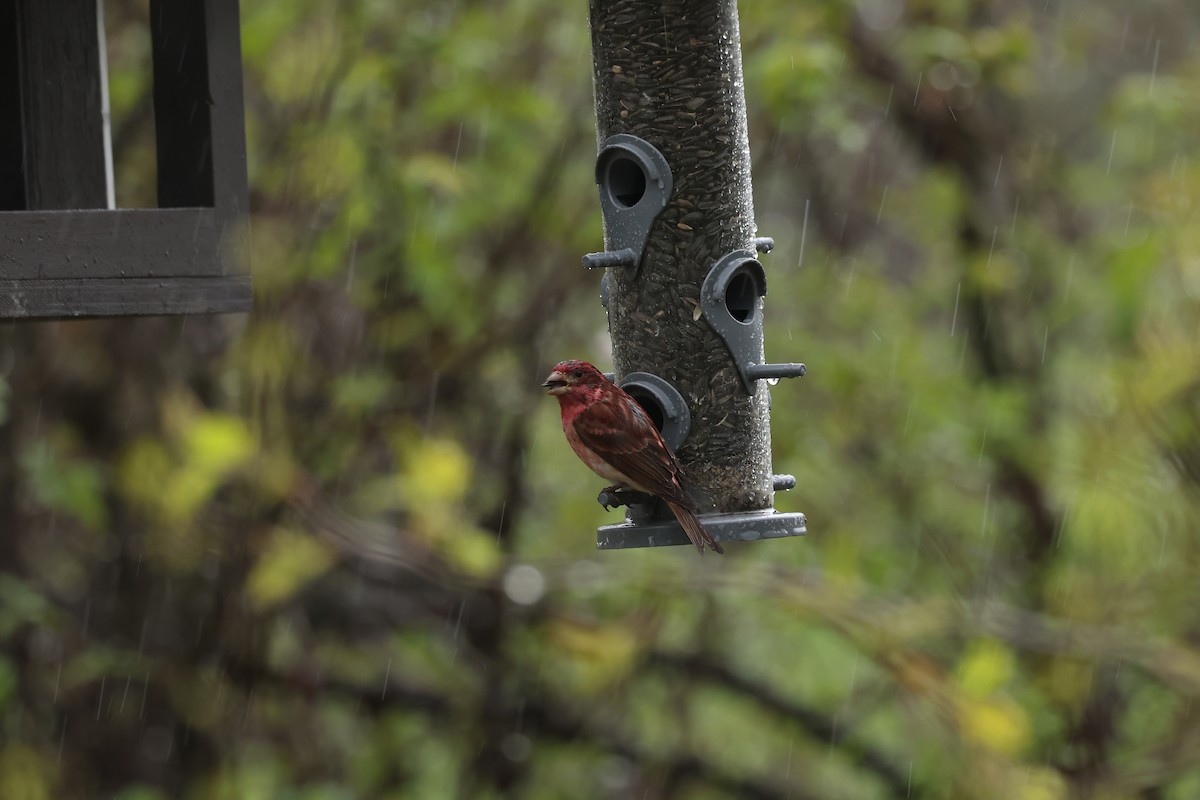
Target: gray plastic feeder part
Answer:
[[635, 184], [784, 483], [663, 403], [746, 526], [616, 258], [760, 372], [731, 299]]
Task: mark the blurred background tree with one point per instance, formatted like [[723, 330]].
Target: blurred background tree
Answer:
[[337, 548]]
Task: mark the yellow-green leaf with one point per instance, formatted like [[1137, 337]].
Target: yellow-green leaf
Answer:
[[288, 563], [985, 668], [998, 724]]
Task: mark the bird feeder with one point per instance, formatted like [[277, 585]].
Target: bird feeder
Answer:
[[683, 286], [65, 250]]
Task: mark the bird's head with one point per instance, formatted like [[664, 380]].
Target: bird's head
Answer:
[[569, 374]]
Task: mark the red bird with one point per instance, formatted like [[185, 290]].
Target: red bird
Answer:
[[611, 433]]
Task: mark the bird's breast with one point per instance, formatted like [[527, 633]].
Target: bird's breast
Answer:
[[590, 457]]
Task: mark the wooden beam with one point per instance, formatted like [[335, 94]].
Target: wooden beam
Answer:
[[12, 142], [182, 104], [228, 123], [58, 55], [122, 297], [130, 243]]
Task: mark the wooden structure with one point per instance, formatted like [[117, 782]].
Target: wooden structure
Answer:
[[64, 250]]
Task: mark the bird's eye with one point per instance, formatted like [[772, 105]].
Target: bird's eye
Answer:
[[578, 374]]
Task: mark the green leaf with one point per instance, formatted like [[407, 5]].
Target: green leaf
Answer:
[[288, 563]]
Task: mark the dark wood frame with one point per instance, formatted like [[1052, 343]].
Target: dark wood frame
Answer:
[[63, 253]]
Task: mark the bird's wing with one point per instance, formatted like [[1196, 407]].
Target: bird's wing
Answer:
[[621, 434]]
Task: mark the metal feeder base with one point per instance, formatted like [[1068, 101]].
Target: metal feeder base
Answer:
[[745, 526]]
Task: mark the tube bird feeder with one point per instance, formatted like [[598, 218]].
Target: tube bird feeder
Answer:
[[683, 286]]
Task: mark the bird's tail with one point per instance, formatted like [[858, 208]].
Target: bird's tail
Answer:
[[695, 531]]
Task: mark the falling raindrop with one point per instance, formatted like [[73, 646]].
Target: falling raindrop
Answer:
[[462, 605], [954, 318], [62, 737], [803, 236], [987, 500], [249, 705], [1154, 68], [457, 147]]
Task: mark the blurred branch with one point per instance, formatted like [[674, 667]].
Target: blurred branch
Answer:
[[884, 625], [548, 719], [966, 139], [1095, 732], [556, 721], [971, 141], [1172, 664], [820, 727], [503, 519], [864, 618], [396, 695]]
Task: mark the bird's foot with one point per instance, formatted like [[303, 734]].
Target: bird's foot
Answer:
[[615, 496]]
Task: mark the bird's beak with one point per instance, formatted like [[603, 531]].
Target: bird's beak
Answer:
[[555, 383]]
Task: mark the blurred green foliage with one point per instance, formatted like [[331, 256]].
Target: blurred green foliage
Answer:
[[337, 548]]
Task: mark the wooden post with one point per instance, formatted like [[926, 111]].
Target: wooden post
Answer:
[[52, 150]]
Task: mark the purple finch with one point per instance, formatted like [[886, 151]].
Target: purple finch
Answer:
[[611, 433]]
